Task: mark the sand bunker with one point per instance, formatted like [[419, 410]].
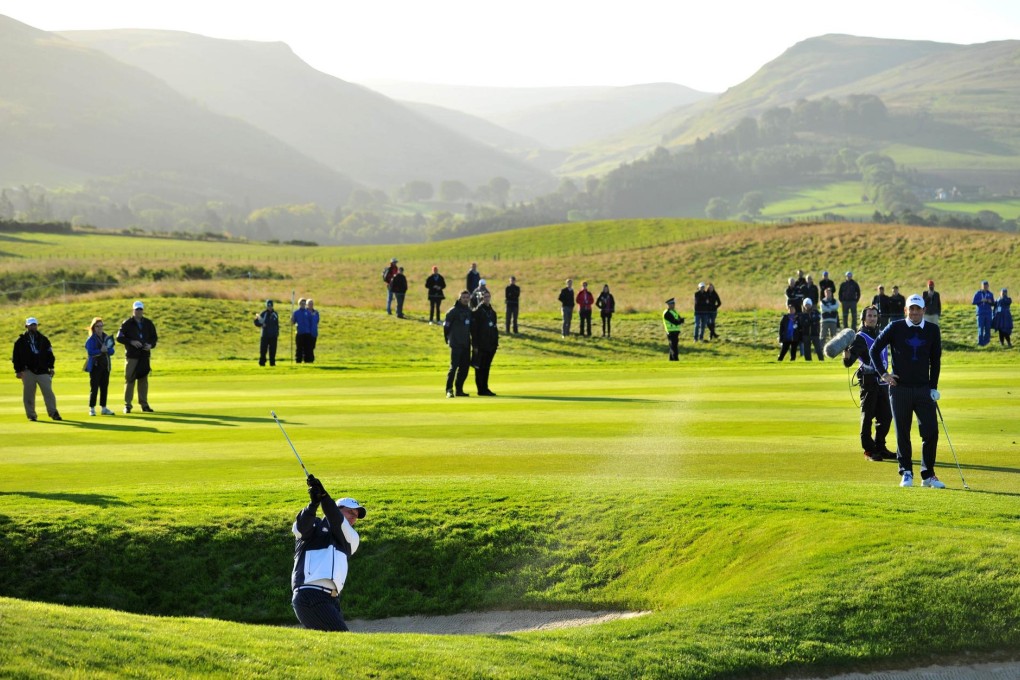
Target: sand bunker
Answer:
[[978, 671], [491, 623]]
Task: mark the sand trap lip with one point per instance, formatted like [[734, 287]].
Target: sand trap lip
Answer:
[[980, 671], [489, 623]]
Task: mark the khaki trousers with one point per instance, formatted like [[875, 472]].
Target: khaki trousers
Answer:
[[129, 384], [29, 381]]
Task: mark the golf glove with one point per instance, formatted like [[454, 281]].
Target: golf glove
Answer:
[[315, 489], [935, 395]]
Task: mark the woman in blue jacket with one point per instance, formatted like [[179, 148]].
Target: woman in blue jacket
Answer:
[[100, 348], [1002, 319]]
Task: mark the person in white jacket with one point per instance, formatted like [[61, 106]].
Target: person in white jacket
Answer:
[[322, 548]]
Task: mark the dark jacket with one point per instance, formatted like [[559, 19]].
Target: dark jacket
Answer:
[[811, 324], [916, 353], [794, 296], [457, 326], [849, 291], [789, 328], [897, 305], [269, 321], [607, 303], [932, 302], [811, 291], [714, 301], [321, 543], [860, 351], [881, 302], [485, 328], [399, 283], [513, 294], [826, 283], [435, 284], [567, 297], [703, 302], [99, 360], [144, 333], [33, 353], [473, 277]]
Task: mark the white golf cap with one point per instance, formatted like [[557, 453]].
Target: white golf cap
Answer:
[[481, 282], [701, 285], [807, 302], [31, 321], [351, 504], [915, 301], [138, 305]]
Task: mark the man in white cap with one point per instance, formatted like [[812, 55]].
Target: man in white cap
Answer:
[[322, 548], [33, 365], [138, 335], [913, 379]]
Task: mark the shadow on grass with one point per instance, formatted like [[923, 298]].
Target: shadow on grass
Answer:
[[105, 425], [585, 399], [82, 498], [198, 418]]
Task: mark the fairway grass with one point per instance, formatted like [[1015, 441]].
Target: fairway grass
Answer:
[[730, 500]]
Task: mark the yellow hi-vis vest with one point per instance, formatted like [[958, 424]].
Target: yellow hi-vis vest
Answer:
[[671, 320]]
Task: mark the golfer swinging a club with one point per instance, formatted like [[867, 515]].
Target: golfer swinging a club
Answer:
[[322, 548], [916, 348]]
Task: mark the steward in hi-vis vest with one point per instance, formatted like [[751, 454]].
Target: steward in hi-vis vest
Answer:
[[672, 321]]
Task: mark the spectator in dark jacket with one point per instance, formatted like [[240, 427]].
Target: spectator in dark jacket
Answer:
[[457, 330], [607, 304], [435, 284], [811, 330], [702, 312], [715, 303], [585, 301], [794, 294], [932, 304], [789, 333], [399, 288], [513, 304], [34, 366], [811, 291], [897, 304], [269, 321], [484, 343], [472, 278], [1002, 318], [138, 335], [567, 305], [387, 276], [881, 303], [826, 283], [849, 295]]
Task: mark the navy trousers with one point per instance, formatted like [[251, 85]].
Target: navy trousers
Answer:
[[460, 363], [907, 402], [317, 610]]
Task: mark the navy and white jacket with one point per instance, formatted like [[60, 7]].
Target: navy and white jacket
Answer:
[[322, 546], [916, 353]]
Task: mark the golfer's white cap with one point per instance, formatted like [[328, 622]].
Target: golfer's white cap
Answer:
[[808, 303], [915, 301], [351, 504], [138, 305], [481, 282], [31, 321]]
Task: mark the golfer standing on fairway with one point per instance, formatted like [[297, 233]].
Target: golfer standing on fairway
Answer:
[[138, 335], [322, 547], [913, 380]]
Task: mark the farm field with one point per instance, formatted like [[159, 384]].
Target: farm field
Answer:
[[725, 495]]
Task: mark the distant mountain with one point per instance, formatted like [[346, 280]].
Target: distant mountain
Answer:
[[342, 125], [70, 115], [558, 117]]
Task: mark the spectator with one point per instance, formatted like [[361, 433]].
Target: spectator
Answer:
[[1002, 319], [607, 304], [702, 312], [100, 348], [789, 333], [269, 321], [313, 331], [811, 330], [672, 321], [399, 287], [585, 300], [811, 290], [567, 305], [826, 283], [484, 343], [138, 335], [984, 301], [457, 331], [34, 366], [435, 284], [932, 304], [897, 304], [830, 315], [476, 294], [303, 325], [715, 303], [881, 303], [472, 278], [874, 393], [849, 295], [387, 276], [513, 304], [794, 296]]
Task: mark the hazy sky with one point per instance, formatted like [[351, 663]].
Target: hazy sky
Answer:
[[709, 45]]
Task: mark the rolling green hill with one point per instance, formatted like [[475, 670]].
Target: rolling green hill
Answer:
[[72, 115]]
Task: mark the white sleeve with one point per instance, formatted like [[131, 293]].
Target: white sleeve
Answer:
[[351, 535]]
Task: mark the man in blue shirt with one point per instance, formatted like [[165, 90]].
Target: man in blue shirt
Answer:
[[984, 301], [916, 349]]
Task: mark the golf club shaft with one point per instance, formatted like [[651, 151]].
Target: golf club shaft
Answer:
[[943, 421], [273, 413]]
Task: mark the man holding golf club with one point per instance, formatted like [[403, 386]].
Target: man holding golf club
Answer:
[[322, 547], [916, 348]]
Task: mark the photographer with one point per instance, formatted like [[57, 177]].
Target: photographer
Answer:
[[672, 321]]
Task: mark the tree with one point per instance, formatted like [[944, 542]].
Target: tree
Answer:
[[752, 203], [453, 190], [417, 190], [500, 189], [718, 208]]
